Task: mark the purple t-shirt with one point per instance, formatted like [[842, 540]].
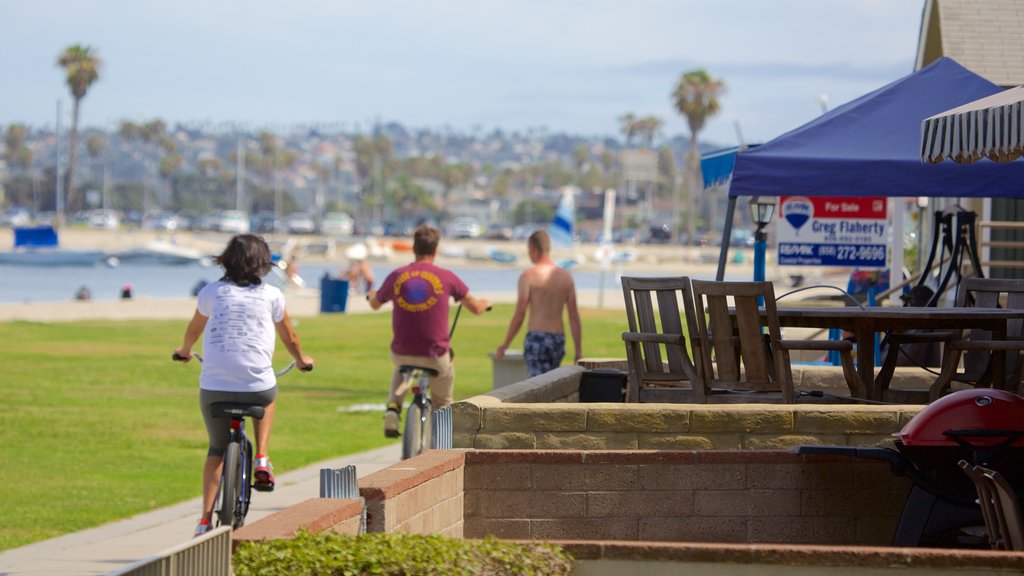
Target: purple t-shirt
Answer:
[[419, 321]]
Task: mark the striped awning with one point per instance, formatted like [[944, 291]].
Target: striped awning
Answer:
[[992, 127]]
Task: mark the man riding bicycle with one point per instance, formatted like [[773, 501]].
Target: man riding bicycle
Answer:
[[419, 321]]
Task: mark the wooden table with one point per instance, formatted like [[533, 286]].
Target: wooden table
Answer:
[[865, 322]]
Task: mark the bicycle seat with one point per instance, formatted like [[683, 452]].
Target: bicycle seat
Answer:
[[234, 409], [406, 368]]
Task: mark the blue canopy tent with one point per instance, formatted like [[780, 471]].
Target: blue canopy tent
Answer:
[[871, 147]]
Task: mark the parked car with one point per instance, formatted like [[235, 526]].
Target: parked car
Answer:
[[299, 223], [464, 227], [15, 216], [104, 219], [369, 228], [159, 220], [233, 222], [207, 221], [265, 221], [523, 231], [399, 229], [658, 234], [337, 224], [46, 218], [498, 232]]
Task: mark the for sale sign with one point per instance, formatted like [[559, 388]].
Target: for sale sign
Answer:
[[847, 232]]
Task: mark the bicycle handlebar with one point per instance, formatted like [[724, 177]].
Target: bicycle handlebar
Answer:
[[178, 358]]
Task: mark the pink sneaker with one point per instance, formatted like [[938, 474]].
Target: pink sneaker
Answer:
[[263, 475]]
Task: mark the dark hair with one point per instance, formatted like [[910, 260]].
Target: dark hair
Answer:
[[540, 241], [425, 239], [246, 260]]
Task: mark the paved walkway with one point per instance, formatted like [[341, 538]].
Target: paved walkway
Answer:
[[107, 548]]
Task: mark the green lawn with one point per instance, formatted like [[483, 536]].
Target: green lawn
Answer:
[[98, 424]]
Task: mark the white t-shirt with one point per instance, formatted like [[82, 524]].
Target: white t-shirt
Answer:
[[238, 343]]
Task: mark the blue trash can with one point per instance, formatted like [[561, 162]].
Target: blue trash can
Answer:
[[333, 294]]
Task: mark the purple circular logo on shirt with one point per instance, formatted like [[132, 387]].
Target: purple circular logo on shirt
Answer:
[[418, 290]]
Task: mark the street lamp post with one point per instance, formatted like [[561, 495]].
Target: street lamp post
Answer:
[[761, 212]]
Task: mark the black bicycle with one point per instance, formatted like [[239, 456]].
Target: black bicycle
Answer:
[[235, 491]]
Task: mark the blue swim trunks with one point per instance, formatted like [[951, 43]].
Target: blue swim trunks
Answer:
[[543, 351]]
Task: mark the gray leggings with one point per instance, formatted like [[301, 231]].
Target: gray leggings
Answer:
[[218, 428]]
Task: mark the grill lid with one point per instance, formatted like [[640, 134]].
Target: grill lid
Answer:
[[975, 417]]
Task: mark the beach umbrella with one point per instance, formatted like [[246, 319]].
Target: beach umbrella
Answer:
[[992, 127]]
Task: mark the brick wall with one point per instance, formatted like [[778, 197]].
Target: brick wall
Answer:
[[316, 515], [422, 495], [683, 496], [690, 496]]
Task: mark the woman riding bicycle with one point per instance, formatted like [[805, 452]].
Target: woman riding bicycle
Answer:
[[237, 317]]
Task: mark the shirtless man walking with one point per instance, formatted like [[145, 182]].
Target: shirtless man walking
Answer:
[[546, 290]]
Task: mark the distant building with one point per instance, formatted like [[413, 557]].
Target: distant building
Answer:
[[986, 37], [982, 35]]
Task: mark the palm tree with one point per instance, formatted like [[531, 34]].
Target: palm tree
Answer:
[[648, 128], [580, 156], [18, 154], [81, 65], [150, 132], [627, 124], [94, 145], [696, 98]]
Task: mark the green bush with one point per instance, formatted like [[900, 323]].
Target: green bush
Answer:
[[331, 554]]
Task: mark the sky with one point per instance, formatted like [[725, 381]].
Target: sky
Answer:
[[572, 66]]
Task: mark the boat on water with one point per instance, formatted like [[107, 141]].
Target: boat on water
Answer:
[[39, 246], [501, 256], [161, 252]]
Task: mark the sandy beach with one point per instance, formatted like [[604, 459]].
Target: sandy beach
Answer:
[[647, 260], [300, 305]]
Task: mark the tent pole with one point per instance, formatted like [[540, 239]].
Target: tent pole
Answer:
[[730, 210], [899, 211]]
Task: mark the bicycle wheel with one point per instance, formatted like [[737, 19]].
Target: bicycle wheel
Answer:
[[229, 485], [245, 486], [425, 421], [411, 441], [417, 429]]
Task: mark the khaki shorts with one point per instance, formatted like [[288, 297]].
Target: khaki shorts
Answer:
[[441, 387]]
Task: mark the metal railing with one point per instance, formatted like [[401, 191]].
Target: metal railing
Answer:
[[209, 555], [441, 429], [343, 483]]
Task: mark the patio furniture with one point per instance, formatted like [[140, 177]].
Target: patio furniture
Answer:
[[865, 322], [986, 503], [979, 347], [999, 507], [660, 365], [738, 355]]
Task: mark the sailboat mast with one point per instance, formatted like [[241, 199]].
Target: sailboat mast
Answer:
[[60, 177], [239, 175]]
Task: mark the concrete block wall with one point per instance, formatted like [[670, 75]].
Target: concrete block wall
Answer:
[[688, 496], [543, 413], [421, 495], [485, 424]]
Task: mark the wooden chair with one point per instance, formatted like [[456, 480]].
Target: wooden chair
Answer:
[[976, 347], [740, 356], [660, 365], [999, 507], [987, 504]]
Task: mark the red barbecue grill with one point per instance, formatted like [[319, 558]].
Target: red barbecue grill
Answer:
[[984, 426]]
